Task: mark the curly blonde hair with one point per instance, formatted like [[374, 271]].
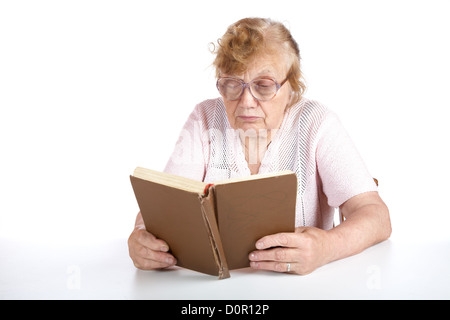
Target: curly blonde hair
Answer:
[[251, 38]]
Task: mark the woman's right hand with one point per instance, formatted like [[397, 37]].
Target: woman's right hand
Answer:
[[146, 251]]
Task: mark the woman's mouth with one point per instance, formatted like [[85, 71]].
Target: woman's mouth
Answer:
[[249, 118]]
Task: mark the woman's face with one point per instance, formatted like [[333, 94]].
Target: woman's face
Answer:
[[247, 113]]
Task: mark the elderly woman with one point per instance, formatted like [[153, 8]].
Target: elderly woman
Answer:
[[261, 124]]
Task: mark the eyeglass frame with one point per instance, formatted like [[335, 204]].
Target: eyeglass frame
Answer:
[[247, 85]]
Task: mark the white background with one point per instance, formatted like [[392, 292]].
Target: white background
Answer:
[[91, 89]]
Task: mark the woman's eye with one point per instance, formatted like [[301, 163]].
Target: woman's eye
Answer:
[[231, 84], [264, 84]]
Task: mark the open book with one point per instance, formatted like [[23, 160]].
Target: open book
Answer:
[[212, 228]]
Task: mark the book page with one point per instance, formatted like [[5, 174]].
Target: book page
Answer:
[[170, 180], [254, 177]]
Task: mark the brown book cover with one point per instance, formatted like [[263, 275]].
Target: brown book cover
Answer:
[[211, 228]]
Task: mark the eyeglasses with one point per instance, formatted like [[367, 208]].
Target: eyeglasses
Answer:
[[262, 89]]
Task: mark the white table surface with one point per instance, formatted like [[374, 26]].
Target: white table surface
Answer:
[[390, 270]]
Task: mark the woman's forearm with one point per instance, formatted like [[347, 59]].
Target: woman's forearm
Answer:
[[364, 226]]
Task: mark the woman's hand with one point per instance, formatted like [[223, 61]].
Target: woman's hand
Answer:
[[146, 251], [366, 223], [300, 252]]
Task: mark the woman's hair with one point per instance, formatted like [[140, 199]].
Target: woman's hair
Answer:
[[251, 38]]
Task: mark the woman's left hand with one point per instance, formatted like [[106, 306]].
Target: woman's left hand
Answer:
[[299, 252]]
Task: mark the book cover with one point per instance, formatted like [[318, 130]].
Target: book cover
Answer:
[[211, 228]]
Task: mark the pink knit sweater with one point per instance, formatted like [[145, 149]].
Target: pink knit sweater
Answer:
[[311, 142]]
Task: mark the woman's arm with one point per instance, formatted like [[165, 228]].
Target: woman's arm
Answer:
[[367, 223]]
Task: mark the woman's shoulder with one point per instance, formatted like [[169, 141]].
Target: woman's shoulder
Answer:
[[309, 113], [209, 105], [211, 113]]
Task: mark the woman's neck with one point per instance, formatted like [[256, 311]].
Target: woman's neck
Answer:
[[254, 147]]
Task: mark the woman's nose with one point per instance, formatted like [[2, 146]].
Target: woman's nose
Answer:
[[247, 100]]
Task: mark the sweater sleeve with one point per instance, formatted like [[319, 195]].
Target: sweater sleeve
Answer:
[[188, 158], [340, 166]]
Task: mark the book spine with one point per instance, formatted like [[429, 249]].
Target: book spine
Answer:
[[207, 206]]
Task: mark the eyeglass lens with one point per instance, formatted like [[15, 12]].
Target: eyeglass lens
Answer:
[[261, 89]]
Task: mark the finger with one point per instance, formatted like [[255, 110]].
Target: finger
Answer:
[[277, 240], [141, 243], [301, 229], [148, 240], [157, 256], [147, 264], [276, 254], [147, 259], [274, 266]]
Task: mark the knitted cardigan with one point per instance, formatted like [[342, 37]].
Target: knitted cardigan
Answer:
[[311, 142]]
